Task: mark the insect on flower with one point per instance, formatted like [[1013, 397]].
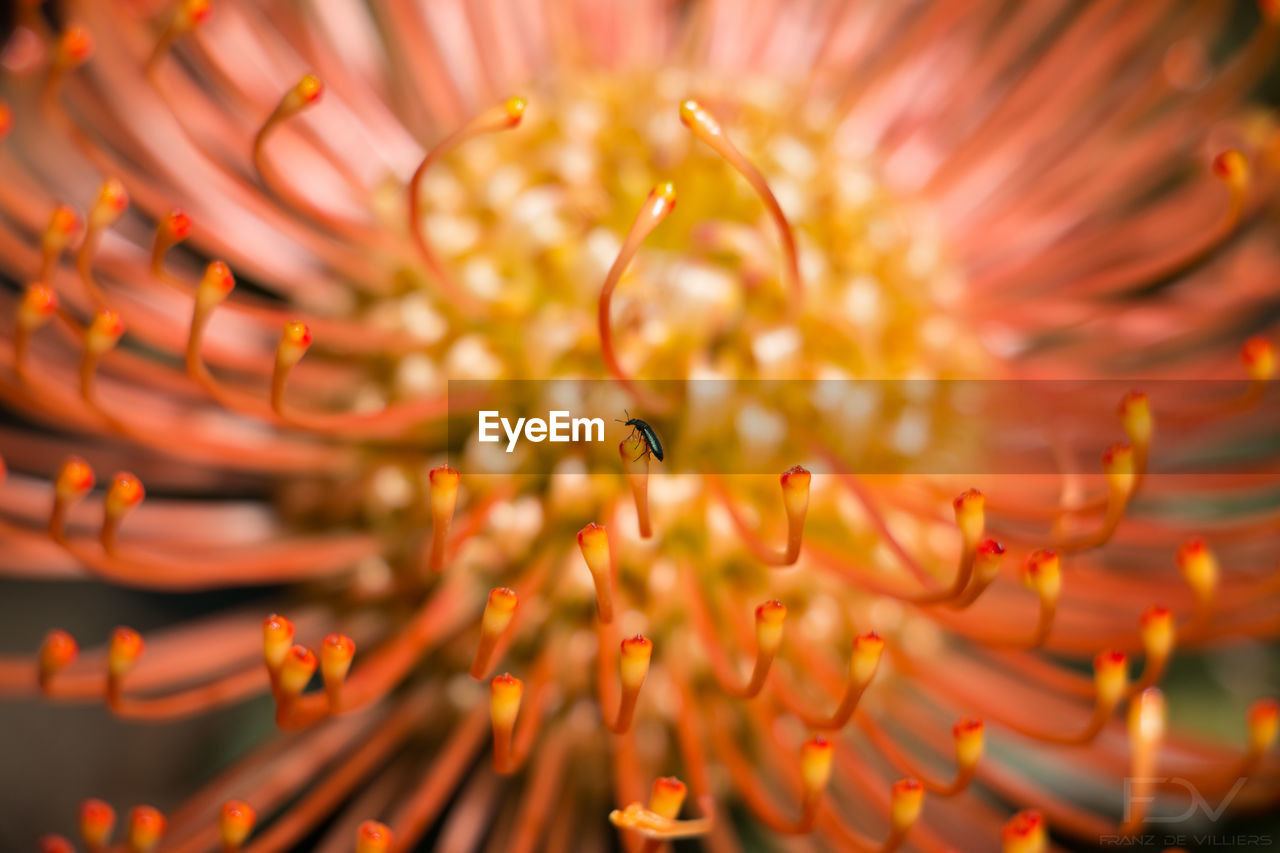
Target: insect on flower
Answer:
[[652, 444]]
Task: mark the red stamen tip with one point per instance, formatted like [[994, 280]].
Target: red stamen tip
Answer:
[[277, 638], [296, 670], [193, 13], [815, 764], [373, 837], [75, 479], [177, 224], [968, 737], [218, 278], [1232, 167], [39, 303], [1135, 417], [57, 652], [907, 797], [1259, 357], [235, 822], [336, 654], [146, 825], [1264, 722], [105, 331], [97, 819], [1024, 833], [124, 493], [75, 46], [6, 120], [124, 650], [667, 797]]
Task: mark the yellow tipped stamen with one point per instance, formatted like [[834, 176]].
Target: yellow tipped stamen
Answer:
[[39, 304], [635, 462], [100, 338], [123, 652], [657, 205], [1043, 574], [1158, 634], [1233, 169], [97, 820], [968, 738], [970, 508], [58, 651], [1199, 567], [505, 692], [704, 126], [795, 496], [123, 495], [1025, 832], [110, 205], [277, 639], [906, 800], [633, 666], [373, 837], [1110, 679], [1259, 358], [770, 619], [1121, 467], [863, 664], [75, 479], [185, 17], [294, 341], [443, 482], [336, 653], [593, 541], [504, 116], [499, 610], [303, 94], [867, 651], [296, 671], [987, 560], [1264, 723], [667, 797], [1135, 418], [1117, 465], [146, 825], [235, 822], [1146, 731], [62, 227], [74, 48], [215, 286], [815, 773], [170, 231]]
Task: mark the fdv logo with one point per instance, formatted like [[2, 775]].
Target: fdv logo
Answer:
[[1139, 791]]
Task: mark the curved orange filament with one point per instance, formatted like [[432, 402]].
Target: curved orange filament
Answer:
[[966, 755], [863, 664], [795, 495], [745, 781], [633, 668], [656, 206], [505, 116], [705, 127], [498, 614]]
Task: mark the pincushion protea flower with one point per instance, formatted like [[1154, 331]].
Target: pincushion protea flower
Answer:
[[954, 189]]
